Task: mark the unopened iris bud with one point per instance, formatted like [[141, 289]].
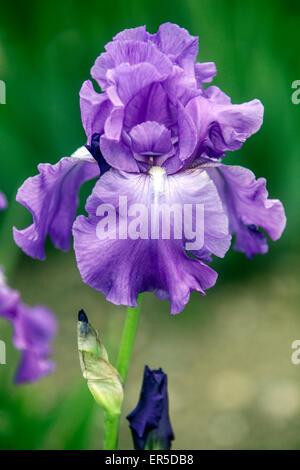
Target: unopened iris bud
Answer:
[[149, 421], [103, 379]]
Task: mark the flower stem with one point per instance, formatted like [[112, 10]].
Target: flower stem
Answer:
[[111, 431], [127, 341], [111, 423]]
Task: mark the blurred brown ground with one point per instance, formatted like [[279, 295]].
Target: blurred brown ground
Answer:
[[227, 356]]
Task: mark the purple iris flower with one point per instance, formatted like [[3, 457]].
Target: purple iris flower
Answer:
[[149, 421], [155, 134], [3, 202], [33, 330]]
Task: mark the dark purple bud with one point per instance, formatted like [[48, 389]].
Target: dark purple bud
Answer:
[[82, 316], [149, 421]]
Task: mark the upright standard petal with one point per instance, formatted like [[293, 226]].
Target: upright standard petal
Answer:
[[205, 72], [135, 52], [127, 80], [151, 104], [246, 202], [52, 198], [136, 34], [95, 108], [223, 126], [129, 257], [187, 142], [129, 52], [177, 43]]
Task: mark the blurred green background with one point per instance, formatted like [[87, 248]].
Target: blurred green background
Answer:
[[228, 356]]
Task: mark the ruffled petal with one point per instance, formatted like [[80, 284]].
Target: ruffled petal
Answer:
[[187, 134], [122, 267], [180, 87], [136, 34], [127, 80], [217, 96], [205, 72], [132, 53], [3, 201], [52, 198], [135, 52], [221, 125], [95, 108], [246, 202], [102, 64], [177, 43], [234, 124]]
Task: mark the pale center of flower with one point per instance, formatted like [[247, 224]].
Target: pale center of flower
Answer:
[[157, 175], [2, 278]]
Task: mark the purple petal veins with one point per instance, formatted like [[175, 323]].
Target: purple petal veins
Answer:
[[122, 268], [52, 198], [246, 203], [221, 125], [154, 112], [153, 77]]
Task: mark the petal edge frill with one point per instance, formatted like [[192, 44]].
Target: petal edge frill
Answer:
[[52, 198], [246, 202], [122, 268]]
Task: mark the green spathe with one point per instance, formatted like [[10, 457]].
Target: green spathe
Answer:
[[103, 379]]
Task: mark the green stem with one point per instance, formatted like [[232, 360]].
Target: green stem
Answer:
[[111, 423], [111, 431], [127, 341]]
